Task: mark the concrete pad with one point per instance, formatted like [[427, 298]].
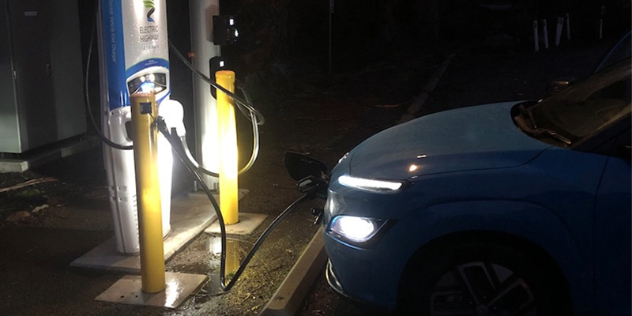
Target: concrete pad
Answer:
[[290, 295], [128, 290], [190, 215], [248, 222]]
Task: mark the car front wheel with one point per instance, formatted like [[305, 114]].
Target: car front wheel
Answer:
[[481, 279]]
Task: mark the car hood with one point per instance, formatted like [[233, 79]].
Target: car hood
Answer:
[[472, 138]]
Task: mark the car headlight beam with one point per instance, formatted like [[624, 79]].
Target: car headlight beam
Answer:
[[370, 184]]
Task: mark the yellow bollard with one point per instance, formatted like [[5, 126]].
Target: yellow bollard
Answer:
[[228, 169], [145, 137]]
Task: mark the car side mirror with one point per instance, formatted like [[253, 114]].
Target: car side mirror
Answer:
[[300, 166], [557, 85], [310, 174]]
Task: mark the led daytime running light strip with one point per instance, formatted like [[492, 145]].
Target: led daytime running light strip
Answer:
[[370, 184]]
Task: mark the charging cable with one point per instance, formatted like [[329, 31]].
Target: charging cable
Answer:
[[176, 144], [245, 107], [87, 96]]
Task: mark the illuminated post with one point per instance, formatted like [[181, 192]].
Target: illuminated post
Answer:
[[145, 138], [228, 169]]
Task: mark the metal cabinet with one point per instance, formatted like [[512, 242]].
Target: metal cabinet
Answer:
[[41, 81]]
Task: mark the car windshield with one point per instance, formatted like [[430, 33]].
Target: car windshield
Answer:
[[586, 107]]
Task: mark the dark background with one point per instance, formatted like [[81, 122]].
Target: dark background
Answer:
[[280, 40]]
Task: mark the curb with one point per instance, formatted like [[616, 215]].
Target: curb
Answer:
[[290, 295], [421, 99]]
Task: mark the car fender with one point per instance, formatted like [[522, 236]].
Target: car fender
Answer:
[[528, 221]]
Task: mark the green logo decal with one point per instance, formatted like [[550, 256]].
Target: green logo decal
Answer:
[[150, 4]]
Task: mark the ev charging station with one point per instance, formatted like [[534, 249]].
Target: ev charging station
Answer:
[[135, 49], [134, 62], [134, 58]]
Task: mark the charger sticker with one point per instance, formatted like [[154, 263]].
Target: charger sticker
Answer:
[[145, 107]]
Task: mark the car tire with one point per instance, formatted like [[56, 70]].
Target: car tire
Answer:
[[481, 278]]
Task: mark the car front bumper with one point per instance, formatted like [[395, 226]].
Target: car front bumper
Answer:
[[371, 309], [367, 276]]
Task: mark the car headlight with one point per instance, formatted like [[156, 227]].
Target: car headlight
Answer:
[[354, 228], [383, 186]]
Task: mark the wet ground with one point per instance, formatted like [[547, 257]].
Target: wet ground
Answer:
[[45, 226]]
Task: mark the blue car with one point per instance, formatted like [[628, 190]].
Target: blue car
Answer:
[[517, 208]]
